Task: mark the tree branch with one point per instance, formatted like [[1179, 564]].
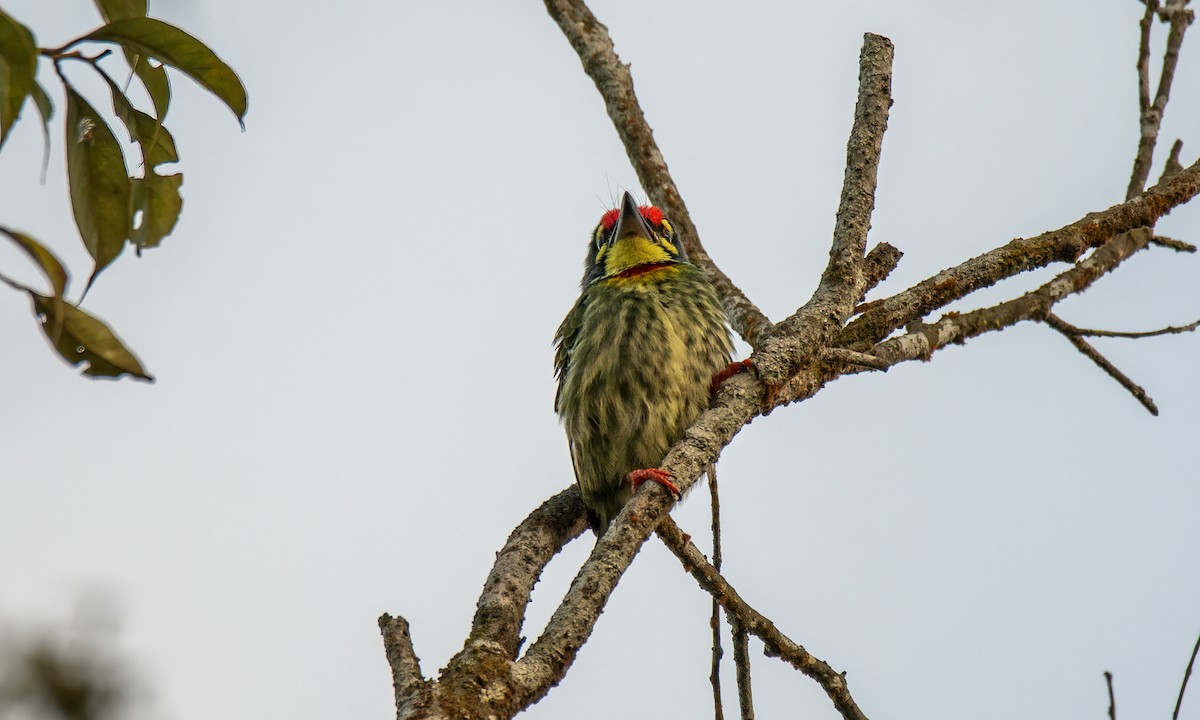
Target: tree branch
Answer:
[[480, 673], [1176, 245], [753, 622], [845, 278], [1112, 701], [486, 678], [880, 263], [741, 660], [1065, 244], [1083, 346], [590, 39], [714, 677], [411, 689], [1152, 113], [923, 340], [1186, 674], [1169, 330]]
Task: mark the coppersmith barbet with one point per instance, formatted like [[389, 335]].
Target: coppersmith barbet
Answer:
[[635, 356]]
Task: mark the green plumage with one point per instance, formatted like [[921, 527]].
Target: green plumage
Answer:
[[635, 358]]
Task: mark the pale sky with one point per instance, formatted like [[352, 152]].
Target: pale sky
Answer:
[[351, 333]]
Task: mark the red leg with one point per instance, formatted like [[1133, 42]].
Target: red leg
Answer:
[[733, 369], [658, 475]]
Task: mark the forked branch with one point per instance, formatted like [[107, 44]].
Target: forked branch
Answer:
[[490, 677]]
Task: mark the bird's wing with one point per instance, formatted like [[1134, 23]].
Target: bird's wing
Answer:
[[564, 343]]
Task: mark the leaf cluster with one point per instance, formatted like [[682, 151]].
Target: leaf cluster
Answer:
[[111, 206]]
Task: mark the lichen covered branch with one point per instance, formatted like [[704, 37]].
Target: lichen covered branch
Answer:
[[1065, 244], [845, 278]]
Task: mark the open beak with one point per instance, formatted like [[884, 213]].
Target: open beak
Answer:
[[630, 223]]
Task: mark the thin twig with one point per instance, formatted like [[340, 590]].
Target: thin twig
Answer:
[[1152, 113], [590, 39], [1176, 245], [1112, 701], [1085, 332], [741, 660], [753, 622], [1172, 165], [714, 676], [1103, 363], [1186, 674], [1143, 61], [850, 357]]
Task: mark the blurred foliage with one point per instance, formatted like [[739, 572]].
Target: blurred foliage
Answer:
[[62, 674], [111, 207]]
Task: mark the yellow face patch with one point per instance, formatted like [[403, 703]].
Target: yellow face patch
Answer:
[[629, 252]]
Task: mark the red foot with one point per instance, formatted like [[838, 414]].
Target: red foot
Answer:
[[733, 369], [662, 477]]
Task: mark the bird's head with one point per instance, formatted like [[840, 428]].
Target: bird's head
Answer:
[[631, 240]]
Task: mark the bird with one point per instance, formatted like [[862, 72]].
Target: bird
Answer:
[[635, 357]]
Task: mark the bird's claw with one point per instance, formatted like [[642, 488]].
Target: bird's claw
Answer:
[[658, 475], [732, 369]]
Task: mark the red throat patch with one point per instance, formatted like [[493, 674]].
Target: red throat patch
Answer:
[[642, 270]]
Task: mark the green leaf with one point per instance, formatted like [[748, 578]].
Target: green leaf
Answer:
[[157, 196], [120, 9], [46, 110], [46, 260], [54, 271], [154, 79], [84, 339], [99, 182], [156, 142], [18, 65], [172, 46]]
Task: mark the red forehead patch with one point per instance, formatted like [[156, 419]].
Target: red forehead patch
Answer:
[[650, 214]]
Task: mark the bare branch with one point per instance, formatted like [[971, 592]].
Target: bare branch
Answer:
[[714, 676], [1169, 330], [741, 660], [841, 355], [590, 39], [1176, 245], [923, 340], [845, 279], [880, 263], [1104, 364], [1186, 674], [1152, 114], [486, 678], [1172, 166], [479, 675], [753, 622], [412, 690], [1143, 61], [1063, 245], [1112, 701]]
